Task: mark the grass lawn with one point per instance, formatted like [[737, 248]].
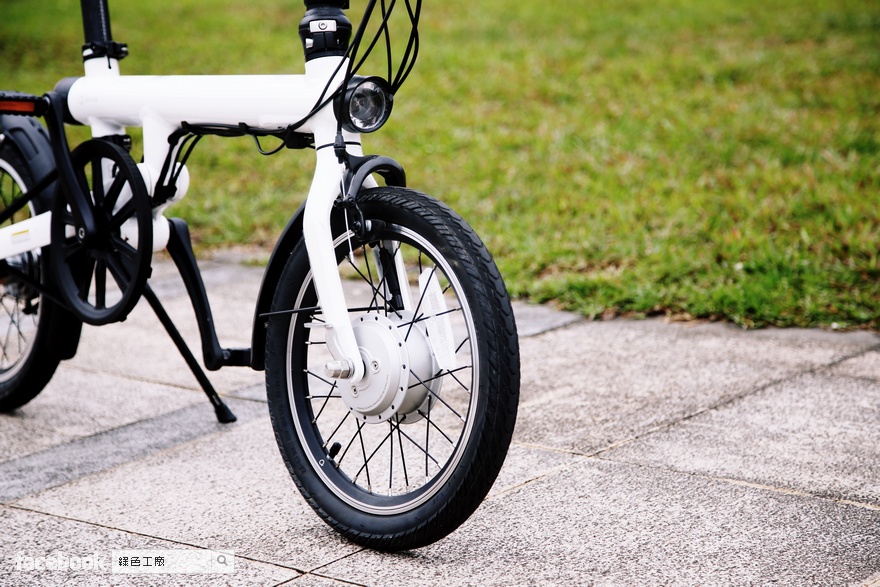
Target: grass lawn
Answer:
[[639, 157]]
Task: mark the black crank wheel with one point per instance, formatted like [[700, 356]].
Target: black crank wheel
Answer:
[[101, 280]]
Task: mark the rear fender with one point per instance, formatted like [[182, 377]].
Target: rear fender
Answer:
[[31, 140]]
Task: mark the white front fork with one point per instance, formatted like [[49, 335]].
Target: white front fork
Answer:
[[318, 237]]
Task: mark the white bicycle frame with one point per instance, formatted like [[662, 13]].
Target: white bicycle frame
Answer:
[[108, 102]]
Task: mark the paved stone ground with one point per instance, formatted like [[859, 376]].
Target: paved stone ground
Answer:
[[645, 453]]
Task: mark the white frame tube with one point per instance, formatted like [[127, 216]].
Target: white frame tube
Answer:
[[108, 102]]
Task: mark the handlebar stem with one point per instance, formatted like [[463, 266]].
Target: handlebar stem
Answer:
[[324, 30]]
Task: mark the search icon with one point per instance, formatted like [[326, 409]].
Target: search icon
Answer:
[[221, 559]]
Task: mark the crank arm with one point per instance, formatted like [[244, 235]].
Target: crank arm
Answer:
[[86, 224]]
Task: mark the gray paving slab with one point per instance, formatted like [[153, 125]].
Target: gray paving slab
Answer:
[[605, 523], [595, 384], [865, 366], [32, 534], [532, 319], [813, 433], [37, 471], [77, 404], [230, 489], [525, 464], [139, 348], [312, 580]]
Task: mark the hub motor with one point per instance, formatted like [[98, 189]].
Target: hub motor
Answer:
[[400, 369]]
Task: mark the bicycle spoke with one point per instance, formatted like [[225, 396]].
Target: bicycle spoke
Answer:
[[442, 401], [427, 436], [348, 446], [428, 456], [14, 336], [10, 313], [364, 452], [439, 375], [419, 305], [326, 399], [73, 248], [98, 183], [369, 277], [101, 284], [375, 289], [124, 213], [367, 459], [391, 458], [436, 427], [86, 278], [402, 455], [5, 355], [19, 309], [319, 378], [335, 430], [114, 192], [127, 253], [120, 276], [422, 318]]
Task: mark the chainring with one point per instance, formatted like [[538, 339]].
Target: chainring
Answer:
[[101, 279]]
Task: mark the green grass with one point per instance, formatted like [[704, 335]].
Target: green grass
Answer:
[[640, 157]]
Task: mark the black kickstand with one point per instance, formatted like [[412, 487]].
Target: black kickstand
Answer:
[[224, 414]]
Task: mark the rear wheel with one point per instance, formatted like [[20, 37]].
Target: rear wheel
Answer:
[[33, 330], [403, 457]]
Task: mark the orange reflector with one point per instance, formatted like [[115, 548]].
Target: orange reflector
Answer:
[[18, 106]]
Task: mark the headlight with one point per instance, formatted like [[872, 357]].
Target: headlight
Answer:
[[365, 105]]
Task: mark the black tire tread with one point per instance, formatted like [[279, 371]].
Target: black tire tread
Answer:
[[43, 360]]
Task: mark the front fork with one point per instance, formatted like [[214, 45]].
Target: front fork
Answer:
[[318, 236]]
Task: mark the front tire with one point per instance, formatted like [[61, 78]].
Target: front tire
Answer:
[[406, 469]]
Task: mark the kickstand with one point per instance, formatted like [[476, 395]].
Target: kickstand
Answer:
[[224, 414]]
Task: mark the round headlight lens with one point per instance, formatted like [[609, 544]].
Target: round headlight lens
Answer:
[[367, 104]]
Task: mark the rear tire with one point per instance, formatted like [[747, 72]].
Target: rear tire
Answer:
[[410, 475], [33, 329]]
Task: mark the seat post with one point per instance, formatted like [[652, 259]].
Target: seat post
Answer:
[[96, 30]]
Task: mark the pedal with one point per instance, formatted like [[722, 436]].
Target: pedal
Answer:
[[23, 104]]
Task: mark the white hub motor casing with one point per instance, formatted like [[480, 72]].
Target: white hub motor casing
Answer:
[[400, 369]]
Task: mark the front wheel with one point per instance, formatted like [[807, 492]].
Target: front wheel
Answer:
[[403, 457]]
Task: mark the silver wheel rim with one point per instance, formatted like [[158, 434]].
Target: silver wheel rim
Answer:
[[377, 496], [17, 329]]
